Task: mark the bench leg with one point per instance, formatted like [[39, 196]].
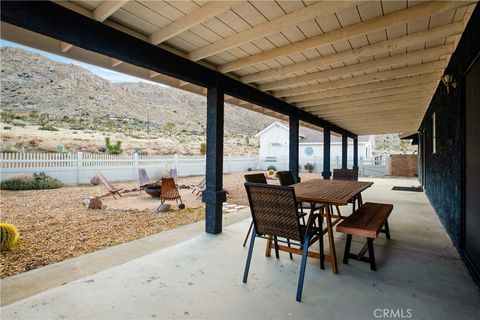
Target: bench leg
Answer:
[[346, 254], [387, 230], [320, 236], [371, 254]]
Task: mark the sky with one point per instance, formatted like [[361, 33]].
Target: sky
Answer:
[[102, 72]]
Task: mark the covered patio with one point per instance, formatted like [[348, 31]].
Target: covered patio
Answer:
[[360, 68], [200, 276]]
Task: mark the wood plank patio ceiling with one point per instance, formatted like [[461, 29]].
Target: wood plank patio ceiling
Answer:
[[368, 66]]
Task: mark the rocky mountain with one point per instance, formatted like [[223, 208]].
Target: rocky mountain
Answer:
[[32, 82]]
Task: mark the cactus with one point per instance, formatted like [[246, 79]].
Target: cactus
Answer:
[[8, 236]]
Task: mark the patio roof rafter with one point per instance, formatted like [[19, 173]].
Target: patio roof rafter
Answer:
[[413, 57], [358, 97], [381, 102], [425, 68], [413, 39], [274, 26], [431, 78], [56, 21], [395, 18], [190, 20], [106, 9]]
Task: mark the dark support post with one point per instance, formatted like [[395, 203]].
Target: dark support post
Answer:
[[293, 146], [326, 154], [355, 153], [214, 196], [344, 151]]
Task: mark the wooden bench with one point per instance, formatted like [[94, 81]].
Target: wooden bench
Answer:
[[367, 221]]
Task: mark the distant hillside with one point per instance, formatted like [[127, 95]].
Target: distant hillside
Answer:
[[31, 82]]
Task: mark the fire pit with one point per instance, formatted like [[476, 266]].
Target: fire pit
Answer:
[[154, 190]]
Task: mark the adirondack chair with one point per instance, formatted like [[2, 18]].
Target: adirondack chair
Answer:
[[111, 189], [199, 188], [143, 179], [170, 192]]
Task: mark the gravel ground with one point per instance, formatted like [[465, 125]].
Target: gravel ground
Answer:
[[54, 225]]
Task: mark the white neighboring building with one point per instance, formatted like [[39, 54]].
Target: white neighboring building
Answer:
[[274, 144]]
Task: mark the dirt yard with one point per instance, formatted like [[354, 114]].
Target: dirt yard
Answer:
[[54, 224]]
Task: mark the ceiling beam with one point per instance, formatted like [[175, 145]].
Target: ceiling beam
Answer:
[[417, 104], [153, 74], [368, 95], [380, 119], [370, 103], [106, 9], [64, 47], [358, 29], [405, 116], [371, 77], [115, 62], [413, 57], [204, 13], [431, 78], [101, 13], [273, 26], [401, 121], [415, 39]]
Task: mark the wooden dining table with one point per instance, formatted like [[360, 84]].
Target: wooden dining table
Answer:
[[330, 193]]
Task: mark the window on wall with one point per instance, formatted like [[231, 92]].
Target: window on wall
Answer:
[[434, 134]]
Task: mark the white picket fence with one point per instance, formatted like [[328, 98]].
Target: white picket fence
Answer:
[[79, 168]]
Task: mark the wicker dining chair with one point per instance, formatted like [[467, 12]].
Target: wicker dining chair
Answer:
[[286, 179], [170, 192], [275, 215], [350, 175], [256, 178], [253, 178]]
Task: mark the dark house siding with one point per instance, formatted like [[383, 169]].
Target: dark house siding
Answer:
[[443, 169]]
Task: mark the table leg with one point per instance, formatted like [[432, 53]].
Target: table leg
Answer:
[[360, 200], [331, 241], [268, 250]]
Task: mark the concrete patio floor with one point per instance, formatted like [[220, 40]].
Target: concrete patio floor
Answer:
[[419, 274]]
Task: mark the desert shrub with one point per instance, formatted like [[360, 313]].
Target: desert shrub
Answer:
[[95, 181], [113, 148], [8, 236], [203, 148], [169, 128], [6, 115], [309, 167], [48, 127], [271, 168], [37, 181], [60, 148]]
